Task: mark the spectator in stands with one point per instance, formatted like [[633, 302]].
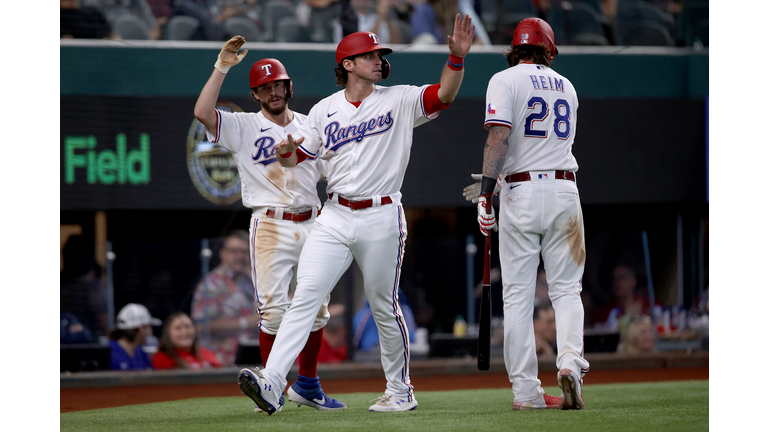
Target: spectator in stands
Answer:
[[334, 345], [163, 10], [470, 7], [376, 17], [224, 9], [366, 334], [433, 17], [321, 18], [404, 9], [207, 12], [179, 348], [81, 22], [545, 330], [82, 292], [72, 331], [250, 9], [639, 336], [114, 9], [133, 326], [626, 300], [225, 298]]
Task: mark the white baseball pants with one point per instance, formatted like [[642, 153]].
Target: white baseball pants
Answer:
[[275, 248], [375, 239], [541, 216]]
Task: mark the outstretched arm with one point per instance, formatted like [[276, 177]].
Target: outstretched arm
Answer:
[[459, 44], [205, 108], [286, 151]]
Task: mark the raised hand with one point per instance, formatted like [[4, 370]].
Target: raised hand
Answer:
[[228, 56], [463, 34]]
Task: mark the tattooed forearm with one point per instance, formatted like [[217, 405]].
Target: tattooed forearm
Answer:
[[495, 151]]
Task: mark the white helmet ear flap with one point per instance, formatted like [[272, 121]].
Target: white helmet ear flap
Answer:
[[385, 67]]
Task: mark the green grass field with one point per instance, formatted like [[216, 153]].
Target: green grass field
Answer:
[[666, 406]]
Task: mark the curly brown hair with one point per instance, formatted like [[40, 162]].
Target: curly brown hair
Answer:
[[538, 54], [341, 76]]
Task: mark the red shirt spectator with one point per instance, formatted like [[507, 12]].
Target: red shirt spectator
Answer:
[[179, 348], [206, 359]]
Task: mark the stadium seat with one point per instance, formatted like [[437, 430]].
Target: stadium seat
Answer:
[[405, 31], [645, 33], [701, 32], [630, 12], [590, 39], [511, 12], [289, 29], [131, 27], [582, 18], [597, 5], [274, 11], [321, 23], [578, 19], [693, 15], [556, 20], [243, 27], [181, 27], [488, 12]]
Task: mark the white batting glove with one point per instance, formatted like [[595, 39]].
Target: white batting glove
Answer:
[[486, 220], [472, 192], [228, 56]]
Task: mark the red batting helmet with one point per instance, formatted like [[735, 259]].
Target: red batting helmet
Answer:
[[268, 70], [532, 31], [359, 43]]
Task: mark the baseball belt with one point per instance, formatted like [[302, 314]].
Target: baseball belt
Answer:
[[296, 217], [526, 176], [362, 204]]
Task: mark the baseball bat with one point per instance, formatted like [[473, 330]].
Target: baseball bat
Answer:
[[484, 340]]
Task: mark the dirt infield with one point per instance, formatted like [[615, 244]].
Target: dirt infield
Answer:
[[78, 399]]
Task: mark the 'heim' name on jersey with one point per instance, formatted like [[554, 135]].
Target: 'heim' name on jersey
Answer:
[[542, 82]]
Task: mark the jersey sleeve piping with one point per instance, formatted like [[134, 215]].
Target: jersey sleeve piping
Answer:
[[307, 153], [496, 122], [218, 127]]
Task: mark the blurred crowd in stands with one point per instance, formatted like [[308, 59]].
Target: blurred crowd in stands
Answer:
[[222, 320], [584, 22]]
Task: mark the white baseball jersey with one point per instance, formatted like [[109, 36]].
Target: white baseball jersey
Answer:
[[540, 106], [251, 139], [540, 216], [365, 149], [275, 244]]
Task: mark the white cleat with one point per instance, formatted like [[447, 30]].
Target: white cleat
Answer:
[[389, 403], [253, 385], [570, 384]]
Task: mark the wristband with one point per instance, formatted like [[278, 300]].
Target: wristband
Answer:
[[243, 323], [487, 186], [286, 155], [221, 67], [455, 63]]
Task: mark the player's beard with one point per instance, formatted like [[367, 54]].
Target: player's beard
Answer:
[[266, 106]]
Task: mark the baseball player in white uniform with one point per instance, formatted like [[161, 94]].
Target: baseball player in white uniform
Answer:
[[364, 135], [530, 116], [284, 202]]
